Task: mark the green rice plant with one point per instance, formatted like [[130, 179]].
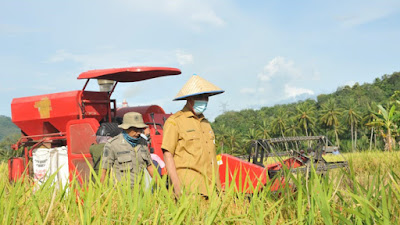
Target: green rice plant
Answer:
[[367, 193]]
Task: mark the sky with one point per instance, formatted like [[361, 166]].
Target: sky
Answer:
[[261, 53]]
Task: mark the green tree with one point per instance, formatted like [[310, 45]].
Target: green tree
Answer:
[[265, 129], [305, 115], [387, 120], [279, 124], [367, 120], [330, 114], [352, 117], [250, 136], [233, 139], [221, 136], [5, 147]]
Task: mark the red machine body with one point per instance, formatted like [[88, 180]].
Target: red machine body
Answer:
[[248, 177], [16, 168], [47, 114]]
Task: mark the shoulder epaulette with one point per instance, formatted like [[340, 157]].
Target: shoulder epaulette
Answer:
[[113, 139]]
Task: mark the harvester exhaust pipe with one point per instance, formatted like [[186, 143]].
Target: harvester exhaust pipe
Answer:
[[105, 85]]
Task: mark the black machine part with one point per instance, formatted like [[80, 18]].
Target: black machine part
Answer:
[[154, 123], [108, 129]]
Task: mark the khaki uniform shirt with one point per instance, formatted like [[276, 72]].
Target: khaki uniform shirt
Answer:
[[191, 141], [123, 158]]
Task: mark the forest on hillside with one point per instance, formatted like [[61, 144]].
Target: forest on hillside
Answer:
[[7, 127], [355, 118], [9, 134]]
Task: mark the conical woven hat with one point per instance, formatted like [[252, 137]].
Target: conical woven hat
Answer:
[[197, 86]]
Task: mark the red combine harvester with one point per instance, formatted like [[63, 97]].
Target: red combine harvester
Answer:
[[61, 127]]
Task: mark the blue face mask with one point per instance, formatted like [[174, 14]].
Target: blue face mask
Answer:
[[199, 106], [130, 140]]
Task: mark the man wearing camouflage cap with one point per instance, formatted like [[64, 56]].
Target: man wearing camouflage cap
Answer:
[[189, 141], [127, 153]]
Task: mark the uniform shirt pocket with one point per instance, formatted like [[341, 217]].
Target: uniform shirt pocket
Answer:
[[192, 142], [145, 155], [125, 162]]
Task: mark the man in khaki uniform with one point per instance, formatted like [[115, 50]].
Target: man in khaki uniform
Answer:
[[127, 153], [189, 141]]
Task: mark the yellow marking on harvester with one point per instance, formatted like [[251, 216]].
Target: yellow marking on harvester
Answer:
[[44, 107]]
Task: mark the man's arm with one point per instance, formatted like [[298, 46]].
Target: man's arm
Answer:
[[107, 162], [173, 175]]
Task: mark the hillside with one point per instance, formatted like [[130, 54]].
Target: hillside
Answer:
[[349, 117], [7, 127]]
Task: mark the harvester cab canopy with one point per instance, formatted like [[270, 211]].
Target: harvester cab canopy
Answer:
[[127, 74]]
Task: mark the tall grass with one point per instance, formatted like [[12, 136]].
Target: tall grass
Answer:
[[367, 193]]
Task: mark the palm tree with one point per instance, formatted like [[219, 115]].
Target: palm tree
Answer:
[[367, 120], [305, 115], [221, 136], [292, 128], [265, 129], [352, 117], [279, 124], [233, 138], [387, 119], [250, 136], [330, 116]]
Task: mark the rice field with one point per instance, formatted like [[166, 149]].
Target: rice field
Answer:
[[367, 193]]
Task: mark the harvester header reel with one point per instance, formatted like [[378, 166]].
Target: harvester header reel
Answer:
[[297, 153]]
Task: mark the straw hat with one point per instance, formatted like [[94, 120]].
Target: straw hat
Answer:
[[132, 119], [197, 86]]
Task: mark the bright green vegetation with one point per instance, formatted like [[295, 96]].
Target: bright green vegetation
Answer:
[[9, 134], [358, 117], [369, 193], [7, 127]]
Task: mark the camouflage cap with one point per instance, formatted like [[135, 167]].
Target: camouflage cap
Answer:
[[132, 119]]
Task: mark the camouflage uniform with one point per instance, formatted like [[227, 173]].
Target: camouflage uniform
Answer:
[[122, 158]]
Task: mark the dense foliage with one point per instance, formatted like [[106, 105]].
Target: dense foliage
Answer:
[[358, 117], [9, 134], [7, 127]]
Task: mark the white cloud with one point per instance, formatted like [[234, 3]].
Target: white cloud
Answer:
[[184, 58], [292, 92], [279, 66], [280, 81], [208, 17]]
